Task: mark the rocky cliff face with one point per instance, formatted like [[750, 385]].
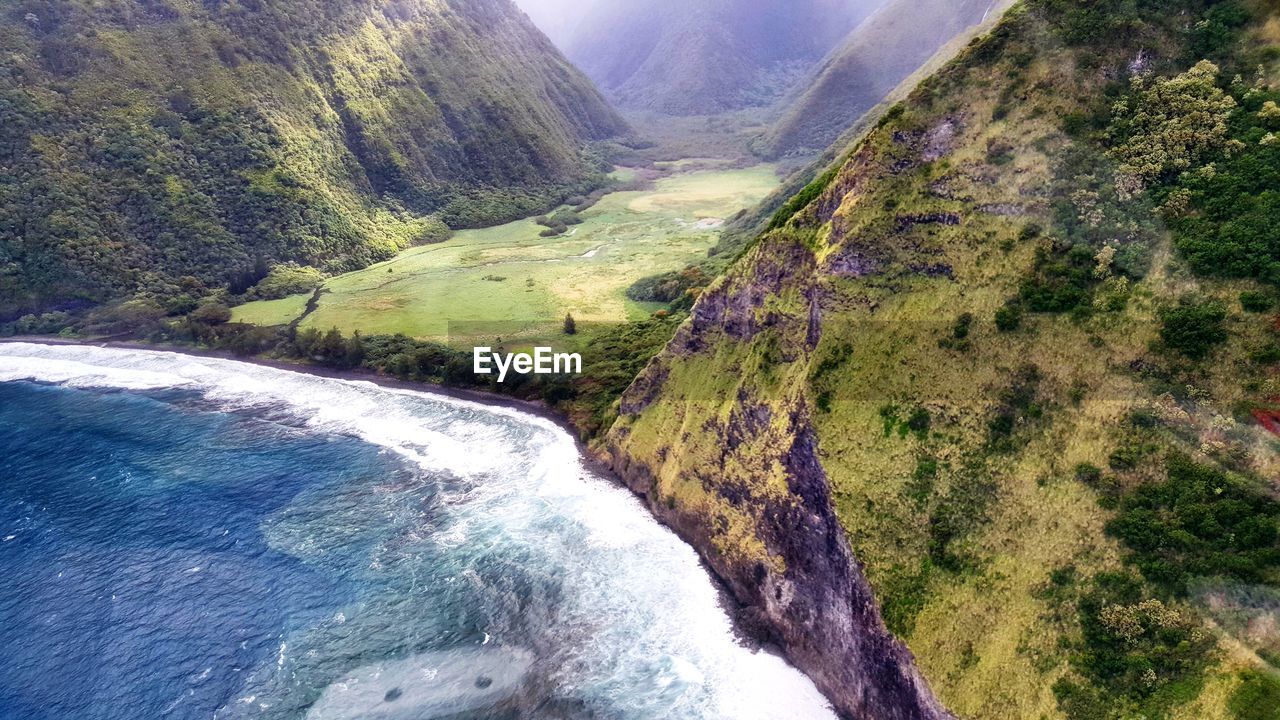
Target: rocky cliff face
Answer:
[[718, 434], [739, 476], [901, 385]]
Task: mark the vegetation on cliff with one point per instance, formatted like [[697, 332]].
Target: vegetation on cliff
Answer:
[[1027, 319]]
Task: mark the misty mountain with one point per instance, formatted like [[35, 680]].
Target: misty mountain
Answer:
[[894, 42], [692, 57]]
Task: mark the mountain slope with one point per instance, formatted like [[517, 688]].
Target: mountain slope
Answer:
[[880, 53], [146, 142], [1010, 365], [706, 56]]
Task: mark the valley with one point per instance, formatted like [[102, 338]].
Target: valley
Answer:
[[946, 333], [510, 282]]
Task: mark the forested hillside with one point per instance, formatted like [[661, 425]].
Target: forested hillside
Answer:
[[163, 148], [1010, 366], [698, 57]]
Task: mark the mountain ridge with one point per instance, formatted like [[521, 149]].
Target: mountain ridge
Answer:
[[882, 51], [330, 134]]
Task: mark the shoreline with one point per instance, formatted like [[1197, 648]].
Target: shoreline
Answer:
[[533, 407], [749, 634]]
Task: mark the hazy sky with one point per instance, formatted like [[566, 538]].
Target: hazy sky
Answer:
[[560, 18], [557, 18]]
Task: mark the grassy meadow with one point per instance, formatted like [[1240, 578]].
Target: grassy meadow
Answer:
[[508, 281]]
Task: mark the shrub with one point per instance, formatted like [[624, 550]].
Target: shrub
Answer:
[[1214, 34], [1255, 302], [1133, 646], [811, 191], [668, 287], [960, 329], [1199, 522], [920, 486], [918, 422], [1062, 280], [46, 324], [287, 279], [1018, 406], [211, 313], [905, 593], [1170, 126], [1257, 697], [963, 509], [1089, 474], [824, 401], [999, 152], [1093, 22], [137, 315], [565, 217], [1193, 328], [1009, 317]]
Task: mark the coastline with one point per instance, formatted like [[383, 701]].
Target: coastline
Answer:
[[750, 633], [532, 407], [717, 605]]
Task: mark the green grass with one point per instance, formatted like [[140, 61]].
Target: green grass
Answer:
[[509, 282], [272, 312]]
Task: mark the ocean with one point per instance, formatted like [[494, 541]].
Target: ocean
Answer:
[[187, 537]]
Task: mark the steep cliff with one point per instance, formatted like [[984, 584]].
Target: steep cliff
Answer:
[[962, 394], [145, 142], [722, 445]]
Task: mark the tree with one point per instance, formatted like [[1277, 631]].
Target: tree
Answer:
[[1169, 126], [332, 346], [211, 313]]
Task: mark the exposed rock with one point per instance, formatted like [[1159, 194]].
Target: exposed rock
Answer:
[[906, 222], [944, 188], [851, 180], [933, 270], [747, 420], [1004, 209], [940, 140], [796, 575], [1140, 63], [820, 609], [644, 389], [853, 263], [813, 334], [824, 606], [732, 305]]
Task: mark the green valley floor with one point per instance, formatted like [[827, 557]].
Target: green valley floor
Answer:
[[509, 282]]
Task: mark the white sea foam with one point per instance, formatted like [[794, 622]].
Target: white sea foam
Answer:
[[645, 597]]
